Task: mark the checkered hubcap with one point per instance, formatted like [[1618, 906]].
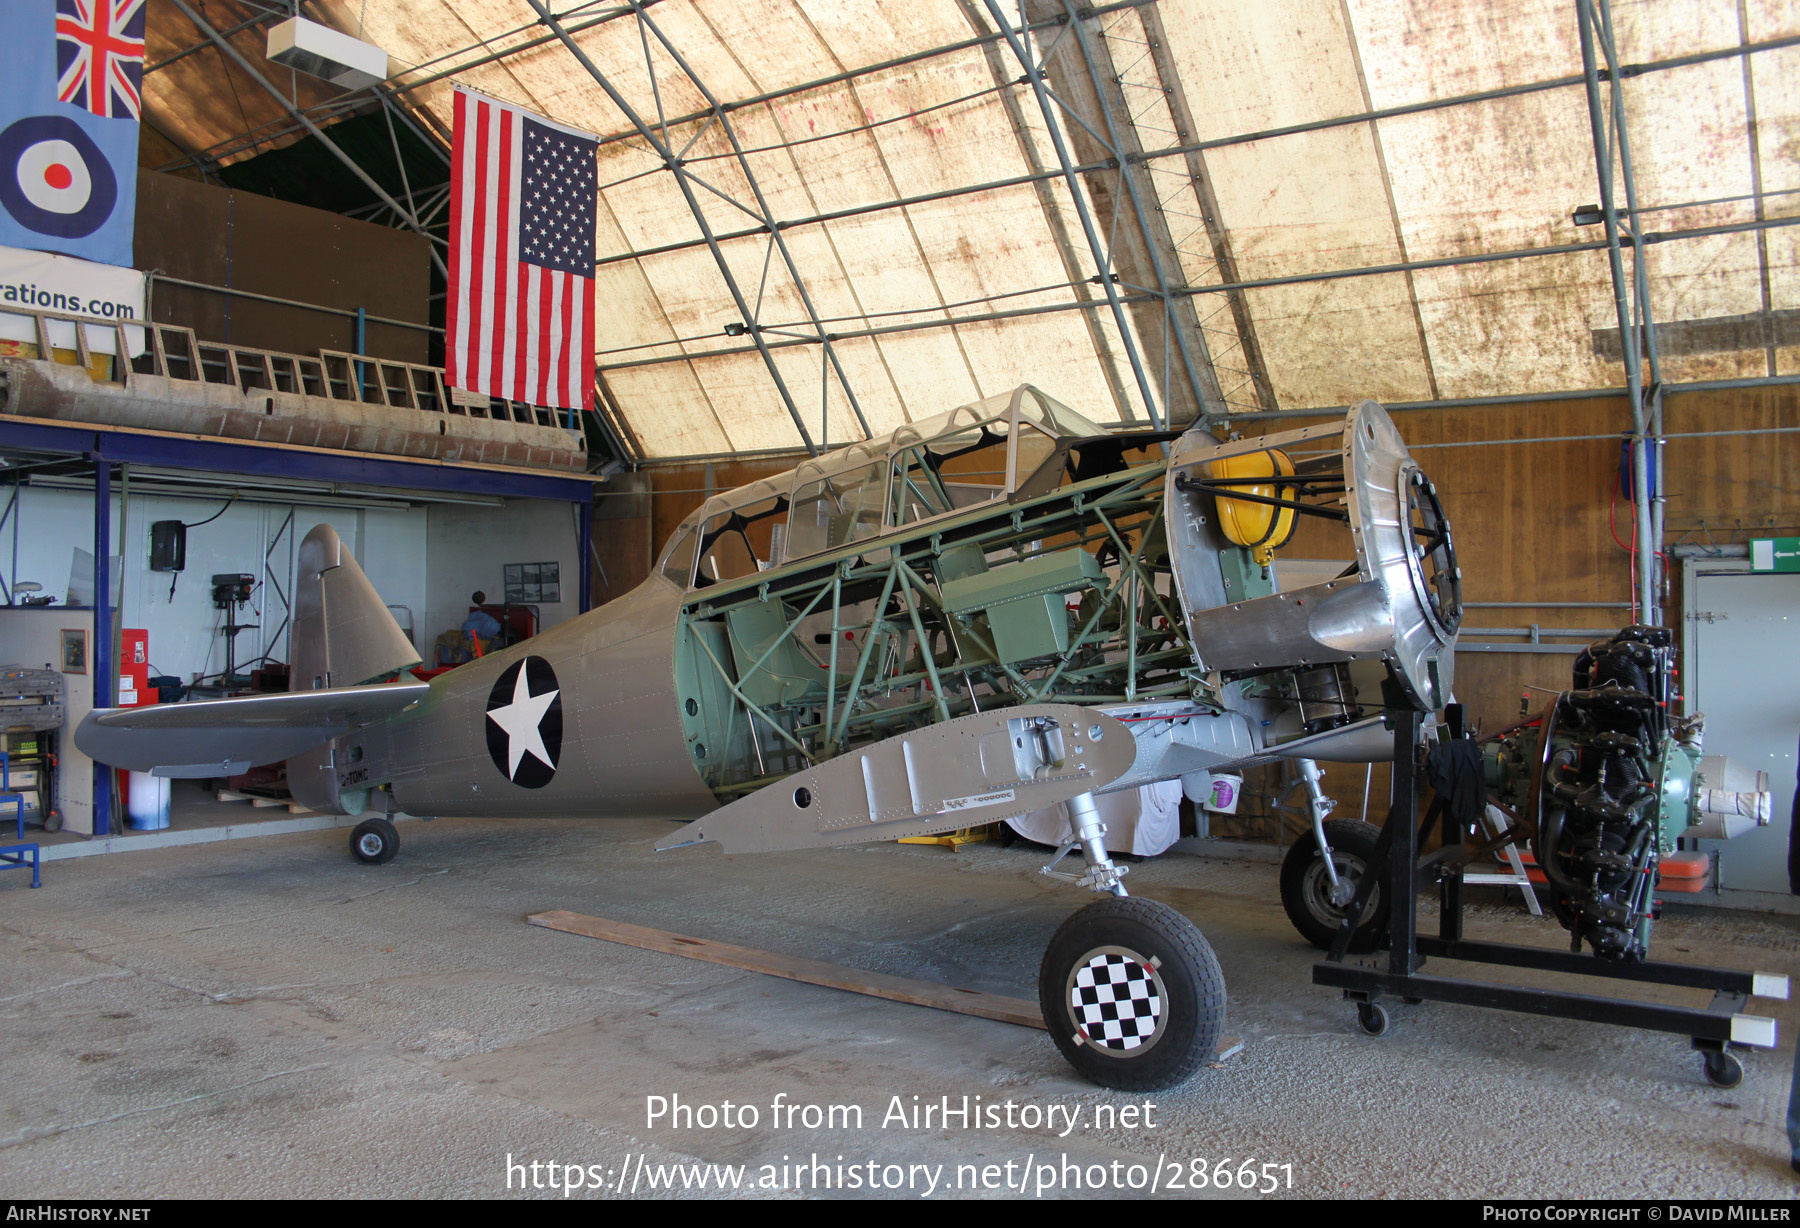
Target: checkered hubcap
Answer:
[[1117, 999]]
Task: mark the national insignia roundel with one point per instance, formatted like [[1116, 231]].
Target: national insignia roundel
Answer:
[[524, 723], [54, 179]]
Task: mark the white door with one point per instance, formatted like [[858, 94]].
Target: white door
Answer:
[[1743, 671]]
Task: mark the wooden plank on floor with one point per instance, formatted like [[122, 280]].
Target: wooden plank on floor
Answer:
[[793, 968], [264, 803]]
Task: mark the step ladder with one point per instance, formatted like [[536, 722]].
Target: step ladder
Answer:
[[1496, 822]]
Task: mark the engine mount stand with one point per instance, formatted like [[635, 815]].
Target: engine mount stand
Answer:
[[1395, 864]]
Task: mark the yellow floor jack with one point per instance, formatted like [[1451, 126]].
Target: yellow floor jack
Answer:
[[951, 839]]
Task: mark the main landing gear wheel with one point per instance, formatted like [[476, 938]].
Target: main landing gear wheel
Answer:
[[1306, 891], [374, 842], [1722, 1069], [1132, 994]]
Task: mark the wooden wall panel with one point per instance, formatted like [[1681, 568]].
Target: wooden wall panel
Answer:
[[220, 237], [1733, 486], [682, 488], [624, 554]]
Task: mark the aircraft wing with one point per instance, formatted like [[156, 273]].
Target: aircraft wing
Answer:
[[222, 737], [973, 770]]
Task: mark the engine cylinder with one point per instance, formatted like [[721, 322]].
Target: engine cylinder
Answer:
[[1598, 839], [1327, 700]]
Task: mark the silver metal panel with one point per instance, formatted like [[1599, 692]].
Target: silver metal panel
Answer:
[[1291, 574], [1174, 739], [1381, 611], [1335, 621], [946, 776], [1367, 741]]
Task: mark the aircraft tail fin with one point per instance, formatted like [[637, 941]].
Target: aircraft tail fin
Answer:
[[343, 633]]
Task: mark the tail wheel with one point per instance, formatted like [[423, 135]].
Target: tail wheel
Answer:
[[374, 842], [1132, 994], [1306, 889]]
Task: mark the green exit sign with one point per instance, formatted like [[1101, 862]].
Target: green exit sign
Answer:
[[1775, 554]]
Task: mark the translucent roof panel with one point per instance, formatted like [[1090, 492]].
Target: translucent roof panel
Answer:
[[1486, 177], [931, 234]]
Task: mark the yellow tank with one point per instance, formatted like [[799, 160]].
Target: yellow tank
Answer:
[[1260, 526]]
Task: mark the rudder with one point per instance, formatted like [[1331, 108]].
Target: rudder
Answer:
[[343, 636], [343, 632]]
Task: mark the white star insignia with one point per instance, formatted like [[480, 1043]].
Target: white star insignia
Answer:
[[520, 721]]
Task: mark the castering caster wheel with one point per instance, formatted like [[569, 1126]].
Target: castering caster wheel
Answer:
[[374, 842], [1372, 1017], [1132, 994], [1722, 1069], [1306, 891]]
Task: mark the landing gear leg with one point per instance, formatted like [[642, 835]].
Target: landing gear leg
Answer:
[[1130, 990], [1090, 833], [1319, 806], [1321, 871]]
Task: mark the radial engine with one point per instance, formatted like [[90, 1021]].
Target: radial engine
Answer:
[[1605, 780]]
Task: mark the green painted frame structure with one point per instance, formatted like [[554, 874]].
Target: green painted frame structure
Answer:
[[916, 659]]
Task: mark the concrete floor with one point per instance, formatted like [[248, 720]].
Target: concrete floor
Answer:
[[267, 1018]]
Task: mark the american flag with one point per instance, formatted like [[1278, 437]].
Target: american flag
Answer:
[[100, 56], [522, 203]]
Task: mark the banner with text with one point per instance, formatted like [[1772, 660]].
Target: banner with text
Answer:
[[40, 281]]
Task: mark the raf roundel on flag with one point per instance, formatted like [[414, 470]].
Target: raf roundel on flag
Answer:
[[57, 182], [71, 91]]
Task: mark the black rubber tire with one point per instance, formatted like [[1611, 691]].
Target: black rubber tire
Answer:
[[1183, 982], [1303, 886], [1372, 1018], [1722, 1069], [374, 842]]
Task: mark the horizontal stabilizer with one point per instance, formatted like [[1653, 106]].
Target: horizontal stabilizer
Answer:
[[223, 737], [974, 770]]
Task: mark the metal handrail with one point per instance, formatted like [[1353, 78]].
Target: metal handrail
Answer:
[[173, 351]]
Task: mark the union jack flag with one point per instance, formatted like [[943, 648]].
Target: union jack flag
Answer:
[[100, 56]]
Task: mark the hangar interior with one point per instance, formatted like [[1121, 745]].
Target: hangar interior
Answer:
[[1554, 239]]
